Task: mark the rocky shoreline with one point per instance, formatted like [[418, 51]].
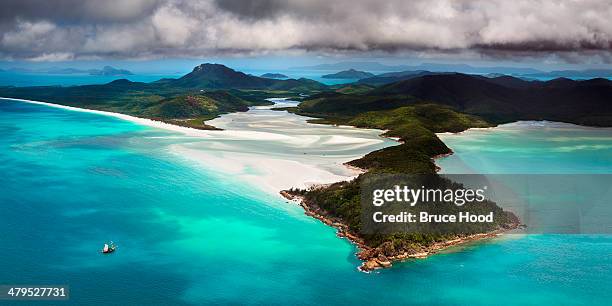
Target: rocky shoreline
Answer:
[[438, 168], [375, 258]]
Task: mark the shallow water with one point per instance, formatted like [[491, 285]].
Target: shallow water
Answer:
[[72, 180], [530, 147], [280, 150]]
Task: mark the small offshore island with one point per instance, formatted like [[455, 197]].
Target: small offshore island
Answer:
[[274, 76], [412, 110], [349, 74]]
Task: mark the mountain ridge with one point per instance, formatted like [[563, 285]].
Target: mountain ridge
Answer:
[[217, 76], [433, 67], [349, 74], [499, 100]]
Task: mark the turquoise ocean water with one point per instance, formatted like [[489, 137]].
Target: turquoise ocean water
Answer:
[[46, 79], [530, 147], [72, 180]]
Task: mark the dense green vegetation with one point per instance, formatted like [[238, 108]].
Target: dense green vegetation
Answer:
[[193, 110], [343, 201], [505, 99], [197, 105], [352, 88], [345, 106], [415, 126]]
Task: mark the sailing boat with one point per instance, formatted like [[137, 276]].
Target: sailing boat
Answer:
[[107, 249]]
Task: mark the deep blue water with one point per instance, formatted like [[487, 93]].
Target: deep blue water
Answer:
[[72, 180]]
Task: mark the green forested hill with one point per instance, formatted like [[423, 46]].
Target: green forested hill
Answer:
[[505, 99]]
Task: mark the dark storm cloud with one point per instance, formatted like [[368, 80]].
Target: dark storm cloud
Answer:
[[56, 30], [70, 11], [257, 9]]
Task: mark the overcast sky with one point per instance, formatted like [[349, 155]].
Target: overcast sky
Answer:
[[48, 30]]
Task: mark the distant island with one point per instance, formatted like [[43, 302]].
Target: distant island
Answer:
[[109, 71], [351, 64], [348, 74], [274, 76], [435, 67], [105, 71], [57, 70], [412, 106], [587, 73]]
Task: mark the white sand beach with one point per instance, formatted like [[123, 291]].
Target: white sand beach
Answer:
[[273, 150], [277, 150]]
